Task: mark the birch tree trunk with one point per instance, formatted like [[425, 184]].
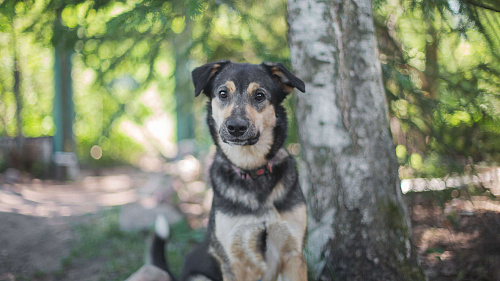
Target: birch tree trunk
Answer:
[[359, 228]]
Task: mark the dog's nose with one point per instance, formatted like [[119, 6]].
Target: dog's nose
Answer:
[[236, 126]]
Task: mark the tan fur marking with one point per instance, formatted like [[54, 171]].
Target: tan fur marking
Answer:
[[294, 264], [286, 88], [253, 156], [278, 192], [252, 87], [297, 219], [282, 79], [295, 268], [220, 114], [264, 119], [248, 262], [231, 87], [214, 70]]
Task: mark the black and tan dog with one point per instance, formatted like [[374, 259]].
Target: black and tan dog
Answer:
[[257, 223]]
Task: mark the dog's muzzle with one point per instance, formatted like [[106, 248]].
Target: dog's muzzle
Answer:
[[238, 131]]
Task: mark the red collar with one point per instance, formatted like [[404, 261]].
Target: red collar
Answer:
[[255, 173]]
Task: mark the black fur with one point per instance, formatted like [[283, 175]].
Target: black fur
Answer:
[[203, 75], [158, 256]]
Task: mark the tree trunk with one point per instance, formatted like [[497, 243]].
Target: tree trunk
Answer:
[[18, 97], [183, 85], [359, 228], [63, 106], [431, 60]]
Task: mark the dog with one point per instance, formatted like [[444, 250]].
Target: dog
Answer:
[[257, 224]]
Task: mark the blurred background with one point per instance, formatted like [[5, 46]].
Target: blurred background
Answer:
[[93, 89], [110, 80]]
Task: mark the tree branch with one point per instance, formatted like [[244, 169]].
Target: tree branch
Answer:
[[481, 5]]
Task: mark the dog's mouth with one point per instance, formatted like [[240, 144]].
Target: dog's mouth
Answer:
[[241, 140]]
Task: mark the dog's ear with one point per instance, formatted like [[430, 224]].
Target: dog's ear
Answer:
[[202, 75], [287, 80]]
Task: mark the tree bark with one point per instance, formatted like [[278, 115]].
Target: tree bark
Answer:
[[359, 228]]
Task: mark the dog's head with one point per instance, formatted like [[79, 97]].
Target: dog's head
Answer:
[[244, 99]]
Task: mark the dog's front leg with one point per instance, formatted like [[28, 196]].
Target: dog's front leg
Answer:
[[273, 263], [284, 256], [295, 268]]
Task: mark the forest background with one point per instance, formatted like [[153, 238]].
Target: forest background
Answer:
[[130, 65]]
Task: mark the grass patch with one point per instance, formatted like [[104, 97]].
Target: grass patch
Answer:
[[118, 254], [182, 240]]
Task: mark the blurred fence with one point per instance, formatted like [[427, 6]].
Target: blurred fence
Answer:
[[488, 178], [32, 154]]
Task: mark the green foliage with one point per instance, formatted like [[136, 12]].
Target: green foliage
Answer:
[[124, 49], [24, 34], [441, 63]]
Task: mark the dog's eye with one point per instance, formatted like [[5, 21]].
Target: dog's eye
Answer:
[[223, 94], [260, 96]]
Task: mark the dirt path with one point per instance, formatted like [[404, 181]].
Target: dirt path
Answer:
[[37, 219], [32, 245]]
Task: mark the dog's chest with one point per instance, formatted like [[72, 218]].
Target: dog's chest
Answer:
[[256, 245]]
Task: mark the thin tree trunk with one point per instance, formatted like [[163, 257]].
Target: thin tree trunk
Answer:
[[2, 115], [17, 95], [359, 228], [183, 85], [431, 57], [63, 106]]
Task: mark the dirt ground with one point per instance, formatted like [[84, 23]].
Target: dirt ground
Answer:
[[37, 220], [457, 238], [32, 244]]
